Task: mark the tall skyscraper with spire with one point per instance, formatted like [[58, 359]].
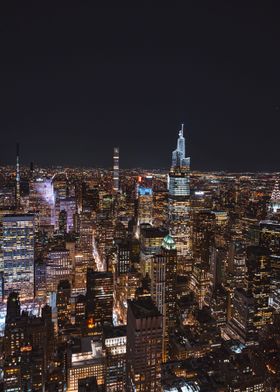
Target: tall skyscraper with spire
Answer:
[[275, 199], [179, 203], [17, 195], [178, 155], [116, 179]]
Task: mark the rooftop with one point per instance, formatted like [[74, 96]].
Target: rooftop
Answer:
[[143, 308], [18, 217], [168, 242], [114, 332]]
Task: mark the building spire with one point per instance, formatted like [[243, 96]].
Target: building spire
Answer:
[[181, 132], [178, 155], [17, 177], [275, 195], [116, 168], [275, 199]]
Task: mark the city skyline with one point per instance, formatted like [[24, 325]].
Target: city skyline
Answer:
[[139, 280], [139, 198]]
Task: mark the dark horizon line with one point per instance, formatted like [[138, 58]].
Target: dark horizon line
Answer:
[[89, 167]]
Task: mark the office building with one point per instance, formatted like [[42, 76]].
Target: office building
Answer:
[[63, 304], [99, 297], [58, 267], [179, 204], [18, 255], [85, 359], [144, 201], [144, 346], [114, 345], [123, 256], [163, 289]]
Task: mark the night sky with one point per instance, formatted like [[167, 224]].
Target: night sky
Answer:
[[75, 81]]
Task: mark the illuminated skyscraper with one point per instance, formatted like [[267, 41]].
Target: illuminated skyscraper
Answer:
[[18, 255], [17, 179], [164, 269], [114, 345], [116, 180], [58, 267], [42, 200], [251, 310], [145, 200], [178, 155], [275, 198], [179, 203], [258, 282]]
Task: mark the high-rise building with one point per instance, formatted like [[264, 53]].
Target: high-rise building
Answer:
[[150, 244], [99, 297], [126, 286], [81, 263], [241, 324], [236, 263], [68, 205], [275, 199], [114, 345], [145, 200], [202, 235], [28, 344], [217, 262], [269, 236], [18, 255], [179, 204], [58, 267], [258, 281], [199, 283], [13, 307], [80, 310], [164, 270], [250, 306], [62, 222], [116, 180], [63, 304], [144, 346], [123, 256], [85, 359], [17, 179], [42, 200]]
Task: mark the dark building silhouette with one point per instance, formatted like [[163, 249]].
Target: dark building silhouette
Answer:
[[88, 385], [144, 346], [99, 297], [164, 271], [63, 304], [114, 346]]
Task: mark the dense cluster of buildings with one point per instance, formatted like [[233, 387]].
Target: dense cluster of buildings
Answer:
[[136, 280]]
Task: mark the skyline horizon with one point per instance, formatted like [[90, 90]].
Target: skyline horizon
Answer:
[[26, 163]]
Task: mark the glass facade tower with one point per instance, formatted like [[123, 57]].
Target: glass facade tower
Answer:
[[179, 203], [18, 255]]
